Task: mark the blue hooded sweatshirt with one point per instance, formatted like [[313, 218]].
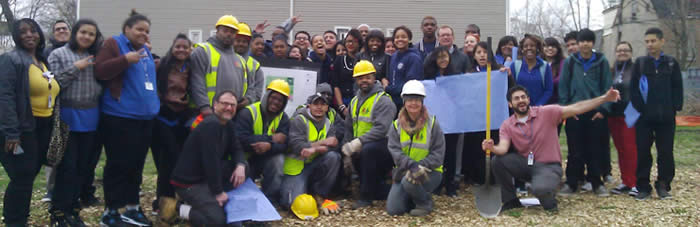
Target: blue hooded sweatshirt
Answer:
[[405, 66], [136, 101], [540, 91]]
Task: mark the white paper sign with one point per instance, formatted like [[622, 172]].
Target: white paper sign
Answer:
[[301, 82]]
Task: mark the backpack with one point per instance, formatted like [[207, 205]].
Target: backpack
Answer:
[[519, 63]]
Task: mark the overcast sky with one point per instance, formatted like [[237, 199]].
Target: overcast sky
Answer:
[[596, 9]]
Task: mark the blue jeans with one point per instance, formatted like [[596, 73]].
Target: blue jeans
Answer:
[[404, 196], [317, 177]]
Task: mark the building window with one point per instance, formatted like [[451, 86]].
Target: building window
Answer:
[[342, 31], [212, 33], [389, 32], [195, 35]]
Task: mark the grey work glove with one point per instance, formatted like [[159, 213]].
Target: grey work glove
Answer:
[[352, 147]]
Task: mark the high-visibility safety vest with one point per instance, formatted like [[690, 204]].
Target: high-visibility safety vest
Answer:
[[258, 122], [294, 163], [362, 121], [416, 147], [210, 77], [252, 65]]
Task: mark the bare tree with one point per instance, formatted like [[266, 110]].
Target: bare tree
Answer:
[[676, 20], [545, 18], [7, 11]]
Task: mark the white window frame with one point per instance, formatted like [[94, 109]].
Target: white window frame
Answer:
[[341, 31], [195, 35], [389, 32], [212, 33]]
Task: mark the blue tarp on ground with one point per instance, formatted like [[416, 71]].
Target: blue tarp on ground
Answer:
[[459, 102], [247, 202]]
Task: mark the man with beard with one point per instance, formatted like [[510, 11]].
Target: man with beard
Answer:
[[216, 67], [533, 132], [241, 44], [263, 128], [371, 114], [211, 163]]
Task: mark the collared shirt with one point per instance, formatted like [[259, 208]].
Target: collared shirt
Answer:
[[586, 63], [538, 135]]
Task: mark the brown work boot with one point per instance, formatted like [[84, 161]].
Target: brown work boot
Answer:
[[168, 210]]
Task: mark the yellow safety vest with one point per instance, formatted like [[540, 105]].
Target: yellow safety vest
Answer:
[[416, 147], [362, 123], [258, 122], [210, 77], [293, 163]]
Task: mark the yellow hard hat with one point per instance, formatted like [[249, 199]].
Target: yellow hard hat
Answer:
[[362, 68], [244, 29], [228, 21], [304, 207], [280, 86]]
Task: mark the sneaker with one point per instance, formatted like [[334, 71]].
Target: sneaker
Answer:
[[662, 190], [168, 209], [519, 191], [135, 217], [89, 201], [451, 190], [512, 204], [361, 204], [59, 219], [418, 212], [609, 179], [642, 195], [112, 219], [587, 186], [633, 191], [47, 197], [663, 194], [76, 219], [566, 191], [620, 189], [601, 191]]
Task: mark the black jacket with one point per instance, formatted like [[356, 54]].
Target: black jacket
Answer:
[[210, 154], [15, 108], [665, 95], [622, 81], [380, 62], [244, 127]]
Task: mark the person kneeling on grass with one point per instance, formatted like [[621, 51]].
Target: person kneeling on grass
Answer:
[[311, 165], [533, 132], [206, 166], [417, 145]]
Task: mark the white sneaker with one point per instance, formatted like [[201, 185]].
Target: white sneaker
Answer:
[[46, 198], [609, 179], [587, 186], [633, 192]]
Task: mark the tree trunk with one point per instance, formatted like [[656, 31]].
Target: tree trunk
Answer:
[[7, 12]]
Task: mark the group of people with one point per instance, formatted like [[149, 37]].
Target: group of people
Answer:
[[211, 122]]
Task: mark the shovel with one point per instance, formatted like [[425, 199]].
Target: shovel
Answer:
[[487, 196]]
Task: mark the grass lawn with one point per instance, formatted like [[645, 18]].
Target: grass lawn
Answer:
[[580, 210]]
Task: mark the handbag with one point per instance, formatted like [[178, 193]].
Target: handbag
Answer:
[[59, 137]]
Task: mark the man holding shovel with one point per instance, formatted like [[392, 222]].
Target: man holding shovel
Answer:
[[533, 132]]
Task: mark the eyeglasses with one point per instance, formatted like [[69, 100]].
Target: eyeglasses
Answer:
[[227, 104], [623, 51]]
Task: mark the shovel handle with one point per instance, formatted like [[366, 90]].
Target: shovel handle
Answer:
[[488, 106]]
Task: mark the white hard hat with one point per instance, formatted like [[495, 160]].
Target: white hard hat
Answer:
[[413, 87]]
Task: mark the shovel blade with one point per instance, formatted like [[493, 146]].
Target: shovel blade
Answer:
[[488, 200]]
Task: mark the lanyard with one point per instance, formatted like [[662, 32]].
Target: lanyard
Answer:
[[184, 67], [620, 72], [529, 137]]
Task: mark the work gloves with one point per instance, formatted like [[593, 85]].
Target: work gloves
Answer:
[[417, 174], [330, 207], [352, 147]]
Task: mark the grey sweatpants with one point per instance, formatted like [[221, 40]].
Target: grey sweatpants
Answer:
[[544, 177], [317, 178], [404, 196]]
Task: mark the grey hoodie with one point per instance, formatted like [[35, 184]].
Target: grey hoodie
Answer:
[[230, 73], [299, 130], [383, 114], [256, 79]]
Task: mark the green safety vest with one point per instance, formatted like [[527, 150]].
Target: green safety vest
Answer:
[[331, 112], [294, 163], [210, 77], [362, 122], [258, 122], [417, 147]]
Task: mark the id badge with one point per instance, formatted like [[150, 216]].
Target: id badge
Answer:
[[50, 102], [149, 86], [530, 159]]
